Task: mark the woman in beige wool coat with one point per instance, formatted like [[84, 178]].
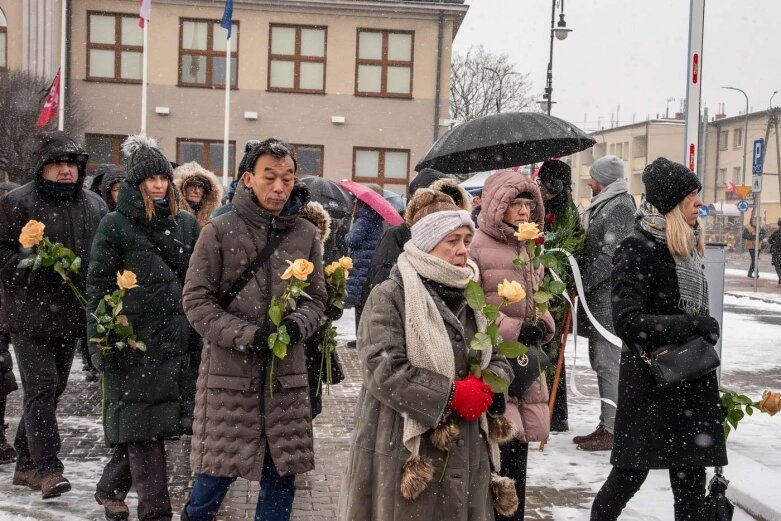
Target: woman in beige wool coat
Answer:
[[423, 447], [510, 198]]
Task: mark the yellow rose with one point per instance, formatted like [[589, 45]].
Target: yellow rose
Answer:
[[126, 279], [527, 232], [770, 403], [31, 234], [346, 263], [512, 292], [299, 269], [331, 268]]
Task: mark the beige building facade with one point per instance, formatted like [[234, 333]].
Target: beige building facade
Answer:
[[721, 161], [359, 87]]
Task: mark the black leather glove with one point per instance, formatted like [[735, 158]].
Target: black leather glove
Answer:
[[292, 330], [532, 333], [97, 361], [707, 328], [260, 342], [498, 405], [334, 313]]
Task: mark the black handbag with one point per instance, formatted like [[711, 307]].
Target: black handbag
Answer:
[[675, 364], [527, 369]]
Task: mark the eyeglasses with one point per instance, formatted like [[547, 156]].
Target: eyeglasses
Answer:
[[523, 203]]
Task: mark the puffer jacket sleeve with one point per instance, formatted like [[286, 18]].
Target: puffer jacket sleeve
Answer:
[[309, 311], [105, 261], [200, 297], [383, 259], [9, 236], [387, 373], [633, 280]]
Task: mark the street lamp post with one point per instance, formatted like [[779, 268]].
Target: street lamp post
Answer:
[[500, 76], [745, 134], [559, 31]]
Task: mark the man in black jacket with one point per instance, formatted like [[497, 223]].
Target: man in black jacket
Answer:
[[44, 318]]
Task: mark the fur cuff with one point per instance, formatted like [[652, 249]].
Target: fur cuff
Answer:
[[500, 429], [418, 472], [445, 435], [504, 494]]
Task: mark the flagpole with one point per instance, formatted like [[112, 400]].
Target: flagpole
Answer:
[[63, 69], [226, 129], [144, 76]]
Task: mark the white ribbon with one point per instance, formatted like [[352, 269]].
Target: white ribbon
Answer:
[[610, 337]]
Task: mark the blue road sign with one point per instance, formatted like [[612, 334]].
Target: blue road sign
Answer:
[[704, 211], [759, 150], [742, 205]]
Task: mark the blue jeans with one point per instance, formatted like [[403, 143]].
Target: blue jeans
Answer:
[[275, 501]]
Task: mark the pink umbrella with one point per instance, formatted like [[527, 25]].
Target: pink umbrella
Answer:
[[375, 201]]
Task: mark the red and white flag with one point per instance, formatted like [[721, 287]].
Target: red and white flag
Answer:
[[145, 13], [52, 103], [730, 187]]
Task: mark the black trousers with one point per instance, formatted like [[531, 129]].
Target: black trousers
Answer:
[[778, 271], [141, 464], [687, 483], [753, 263], [514, 455], [560, 420], [44, 365]]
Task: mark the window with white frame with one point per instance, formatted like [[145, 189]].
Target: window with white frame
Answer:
[[737, 138]]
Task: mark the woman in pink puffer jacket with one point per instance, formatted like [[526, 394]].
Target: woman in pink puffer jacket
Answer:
[[510, 198]]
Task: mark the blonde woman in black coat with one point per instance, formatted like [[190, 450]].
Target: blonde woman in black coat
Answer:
[[660, 297]]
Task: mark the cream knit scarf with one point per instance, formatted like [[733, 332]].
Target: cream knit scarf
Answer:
[[428, 344]]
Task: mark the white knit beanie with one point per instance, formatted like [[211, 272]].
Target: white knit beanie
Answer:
[[428, 231]]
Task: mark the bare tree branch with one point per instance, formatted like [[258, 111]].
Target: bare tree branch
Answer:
[[22, 96], [474, 89]]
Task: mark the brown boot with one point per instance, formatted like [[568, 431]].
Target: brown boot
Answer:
[[53, 485], [27, 478], [602, 441], [580, 439], [114, 509]]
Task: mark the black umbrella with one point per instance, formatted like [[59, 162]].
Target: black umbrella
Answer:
[[503, 141], [336, 201], [717, 506]]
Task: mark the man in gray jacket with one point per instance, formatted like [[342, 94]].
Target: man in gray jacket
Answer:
[[608, 220]]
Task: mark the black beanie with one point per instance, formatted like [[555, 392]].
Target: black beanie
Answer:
[[425, 178], [144, 159], [667, 183], [555, 175]]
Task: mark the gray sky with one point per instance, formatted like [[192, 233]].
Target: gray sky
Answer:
[[632, 53]]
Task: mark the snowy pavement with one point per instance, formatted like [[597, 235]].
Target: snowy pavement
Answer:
[[562, 480]]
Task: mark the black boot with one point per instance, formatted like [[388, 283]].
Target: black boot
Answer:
[[7, 452], [513, 458]]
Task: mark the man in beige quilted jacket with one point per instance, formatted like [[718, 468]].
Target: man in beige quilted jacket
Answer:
[[244, 425]]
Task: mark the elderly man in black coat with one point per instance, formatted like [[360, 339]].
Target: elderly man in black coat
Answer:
[[44, 318]]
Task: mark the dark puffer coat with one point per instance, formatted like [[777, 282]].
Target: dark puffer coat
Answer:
[[362, 240], [111, 176], [37, 302], [655, 428], [235, 415], [150, 394]]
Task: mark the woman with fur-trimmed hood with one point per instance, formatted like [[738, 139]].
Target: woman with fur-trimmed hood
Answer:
[[424, 446], [200, 192]]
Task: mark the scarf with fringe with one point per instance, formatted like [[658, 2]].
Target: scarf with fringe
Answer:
[[428, 344], [692, 285]]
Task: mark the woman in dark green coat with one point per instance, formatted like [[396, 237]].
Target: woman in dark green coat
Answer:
[[147, 396]]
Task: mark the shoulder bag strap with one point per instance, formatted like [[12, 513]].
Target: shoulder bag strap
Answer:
[[262, 258]]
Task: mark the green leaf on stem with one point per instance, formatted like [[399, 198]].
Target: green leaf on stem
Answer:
[[491, 312], [512, 349], [37, 262], [475, 296], [100, 328], [275, 314], [291, 303], [493, 332], [520, 262], [280, 349], [475, 369], [549, 260], [536, 263], [557, 287], [497, 384], [541, 297], [76, 265], [481, 342], [283, 336], [272, 340], [26, 263]]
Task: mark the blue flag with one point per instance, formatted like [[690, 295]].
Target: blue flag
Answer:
[[227, 17]]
